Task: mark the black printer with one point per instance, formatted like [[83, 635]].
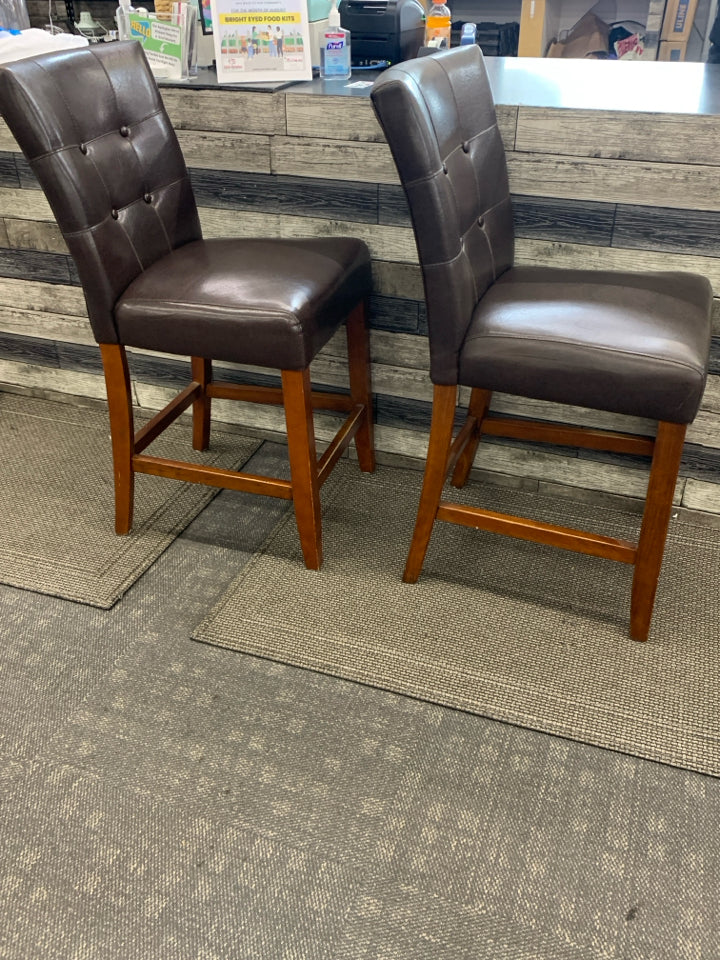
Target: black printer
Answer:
[[390, 30]]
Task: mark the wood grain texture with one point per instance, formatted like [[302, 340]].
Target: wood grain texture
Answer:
[[574, 221], [35, 235], [42, 298], [225, 151], [578, 255], [332, 159], [679, 185], [24, 204], [297, 196], [353, 119], [672, 230], [685, 140], [225, 111], [35, 265]]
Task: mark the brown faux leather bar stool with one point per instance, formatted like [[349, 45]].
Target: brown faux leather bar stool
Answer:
[[628, 343], [93, 126]]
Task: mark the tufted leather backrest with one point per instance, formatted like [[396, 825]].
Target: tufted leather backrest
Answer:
[[93, 126], [438, 116]]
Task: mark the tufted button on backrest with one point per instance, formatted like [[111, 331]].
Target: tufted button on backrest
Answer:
[[100, 160], [438, 116]]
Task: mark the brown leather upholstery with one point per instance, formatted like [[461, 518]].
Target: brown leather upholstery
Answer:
[[93, 125], [622, 342], [278, 311], [634, 343]]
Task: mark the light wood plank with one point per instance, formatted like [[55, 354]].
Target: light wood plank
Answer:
[[46, 326], [669, 138], [35, 235], [396, 349], [246, 153], [24, 204], [341, 118], [40, 378], [7, 140], [700, 495], [682, 186], [392, 243], [584, 256], [403, 280], [238, 223], [225, 111], [353, 118], [333, 159], [32, 295]]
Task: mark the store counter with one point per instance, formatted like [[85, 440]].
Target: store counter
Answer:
[[612, 164]]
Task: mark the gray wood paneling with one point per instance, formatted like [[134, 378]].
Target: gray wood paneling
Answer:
[[674, 231], [333, 159], [571, 221], [225, 151], [680, 185], [32, 265], [590, 189], [623, 135], [298, 196], [225, 111]]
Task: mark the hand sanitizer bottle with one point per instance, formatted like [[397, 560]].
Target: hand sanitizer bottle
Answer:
[[335, 48]]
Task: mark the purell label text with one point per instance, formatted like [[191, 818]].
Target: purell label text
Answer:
[[334, 45]]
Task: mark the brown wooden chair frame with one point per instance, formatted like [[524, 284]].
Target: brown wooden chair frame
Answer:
[[446, 456], [308, 473]]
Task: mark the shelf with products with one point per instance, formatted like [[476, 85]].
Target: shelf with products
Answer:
[[545, 21]]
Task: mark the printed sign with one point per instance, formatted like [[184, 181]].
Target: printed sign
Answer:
[[261, 41], [162, 42]]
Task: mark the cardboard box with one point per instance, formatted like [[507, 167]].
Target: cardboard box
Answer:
[[672, 50], [588, 38], [678, 20]]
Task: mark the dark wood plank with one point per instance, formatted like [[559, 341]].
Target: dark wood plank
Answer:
[[8, 169], [714, 365], [670, 230], [394, 210], [299, 196], [22, 349], [394, 314], [571, 221], [36, 265]]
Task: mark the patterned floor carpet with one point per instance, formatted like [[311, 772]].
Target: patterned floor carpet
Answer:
[[515, 631], [164, 799]]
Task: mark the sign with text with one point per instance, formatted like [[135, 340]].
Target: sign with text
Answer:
[[261, 40], [162, 42]]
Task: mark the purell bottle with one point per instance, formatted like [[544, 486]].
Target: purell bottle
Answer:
[[335, 48]]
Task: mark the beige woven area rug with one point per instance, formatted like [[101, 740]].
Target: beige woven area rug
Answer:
[[57, 504], [514, 631]]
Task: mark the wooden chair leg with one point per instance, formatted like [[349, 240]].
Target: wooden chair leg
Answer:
[[360, 386], [478, 407], [441, 431], [122, 431], [303, 463], [201, 373], [658, 506]]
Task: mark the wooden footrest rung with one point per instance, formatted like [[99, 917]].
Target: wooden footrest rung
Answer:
[[212, 476], [580, 541]]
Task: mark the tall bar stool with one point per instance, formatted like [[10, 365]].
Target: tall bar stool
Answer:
[[93, 126], [628, 343]]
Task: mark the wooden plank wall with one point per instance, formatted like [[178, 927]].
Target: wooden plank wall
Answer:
[[590, 188]]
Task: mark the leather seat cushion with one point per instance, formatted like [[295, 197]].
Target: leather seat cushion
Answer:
[[271, 302], [623, 342]]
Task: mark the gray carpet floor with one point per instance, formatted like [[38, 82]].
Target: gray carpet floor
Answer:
[[162, 798]]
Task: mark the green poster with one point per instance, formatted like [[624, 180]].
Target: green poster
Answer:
[[162, 42]]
